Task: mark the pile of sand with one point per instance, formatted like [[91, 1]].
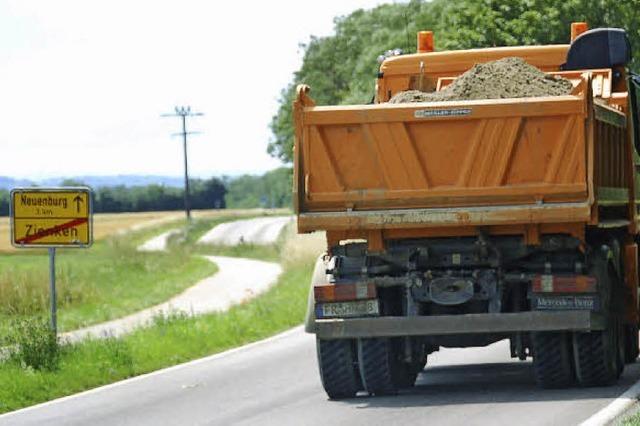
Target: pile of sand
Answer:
[[504, 78]]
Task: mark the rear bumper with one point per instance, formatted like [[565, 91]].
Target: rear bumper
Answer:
[[458, 324]]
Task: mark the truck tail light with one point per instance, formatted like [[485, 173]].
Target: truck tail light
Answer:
[[564, 284], [342, 292]]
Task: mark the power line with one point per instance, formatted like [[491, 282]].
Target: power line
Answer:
[[183, 112]]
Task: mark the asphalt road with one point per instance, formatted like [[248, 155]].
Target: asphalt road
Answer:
[[276, 383]]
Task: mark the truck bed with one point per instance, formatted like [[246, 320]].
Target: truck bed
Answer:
[[481, 162]]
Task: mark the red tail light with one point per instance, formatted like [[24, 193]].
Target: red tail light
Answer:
[[342, 292], [564, 284]]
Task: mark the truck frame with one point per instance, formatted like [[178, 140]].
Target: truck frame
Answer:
[[457, 224]]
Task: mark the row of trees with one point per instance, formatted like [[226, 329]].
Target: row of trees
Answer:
[[341, 68], [273, 189], [205, 194]]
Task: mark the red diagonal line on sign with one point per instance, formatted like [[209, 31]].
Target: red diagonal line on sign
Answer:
[[50, 231]]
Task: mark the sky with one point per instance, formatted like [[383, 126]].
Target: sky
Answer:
[[83, 83]]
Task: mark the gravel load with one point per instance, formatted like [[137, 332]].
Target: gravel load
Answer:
[[504, 78]]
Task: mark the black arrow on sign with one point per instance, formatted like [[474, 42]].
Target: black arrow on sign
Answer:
[[78, 200]]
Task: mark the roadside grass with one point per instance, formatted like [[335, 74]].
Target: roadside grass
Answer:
[[171, 340], [632, 420], [250, 251], [109, 280]]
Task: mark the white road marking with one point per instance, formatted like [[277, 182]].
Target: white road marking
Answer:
[[621, 404]]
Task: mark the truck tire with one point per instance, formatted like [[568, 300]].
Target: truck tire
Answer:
[[381, 370], [552, 360], [375, 359], [631, 343], [338, 367], [406, 373], [599, 359], [596, 357]]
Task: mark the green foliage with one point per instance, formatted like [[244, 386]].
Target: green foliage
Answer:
[[632, 420], [33, 344], [4, 202], [341, 69], [204, 194], [271, 190]]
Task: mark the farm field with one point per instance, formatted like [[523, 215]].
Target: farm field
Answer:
[[105, 224]]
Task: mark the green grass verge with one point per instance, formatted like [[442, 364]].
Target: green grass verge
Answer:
[[168, 342], [633, 420], [109, 280], [250, 251]]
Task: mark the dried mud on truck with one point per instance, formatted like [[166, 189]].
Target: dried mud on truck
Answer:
[[487, 194]]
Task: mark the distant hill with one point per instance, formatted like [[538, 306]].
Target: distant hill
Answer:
[[97, 181], [8, 183]]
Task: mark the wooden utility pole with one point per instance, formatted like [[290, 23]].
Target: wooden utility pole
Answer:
[[183, 112]]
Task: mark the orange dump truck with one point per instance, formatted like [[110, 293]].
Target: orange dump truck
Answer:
[[457, 224]]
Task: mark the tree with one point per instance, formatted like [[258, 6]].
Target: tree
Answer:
[[4, 202], [271, 190], [340, 69]]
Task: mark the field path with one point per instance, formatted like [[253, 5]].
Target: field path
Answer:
[[158, 243], [236, 281], [262, 230]]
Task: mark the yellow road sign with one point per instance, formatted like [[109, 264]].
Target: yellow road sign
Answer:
[[51, 217]]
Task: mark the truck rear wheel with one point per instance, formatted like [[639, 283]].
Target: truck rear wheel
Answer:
[[597, 357], [552, 359], [381, 369], [631, 343], [338, 367], [375, 359]]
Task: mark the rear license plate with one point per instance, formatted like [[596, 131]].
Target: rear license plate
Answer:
[[358, 308]]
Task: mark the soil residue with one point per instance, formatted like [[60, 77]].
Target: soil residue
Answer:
[[504, 78]]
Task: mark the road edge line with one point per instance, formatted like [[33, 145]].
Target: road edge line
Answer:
[[617, 407], [165, 370]]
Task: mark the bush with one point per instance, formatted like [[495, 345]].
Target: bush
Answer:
[[34, 344]]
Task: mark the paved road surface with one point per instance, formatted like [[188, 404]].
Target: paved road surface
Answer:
[[276, 383], [263, 230]]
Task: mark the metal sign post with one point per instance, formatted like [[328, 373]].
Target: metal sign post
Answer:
[[52, 286], [51, 217]]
